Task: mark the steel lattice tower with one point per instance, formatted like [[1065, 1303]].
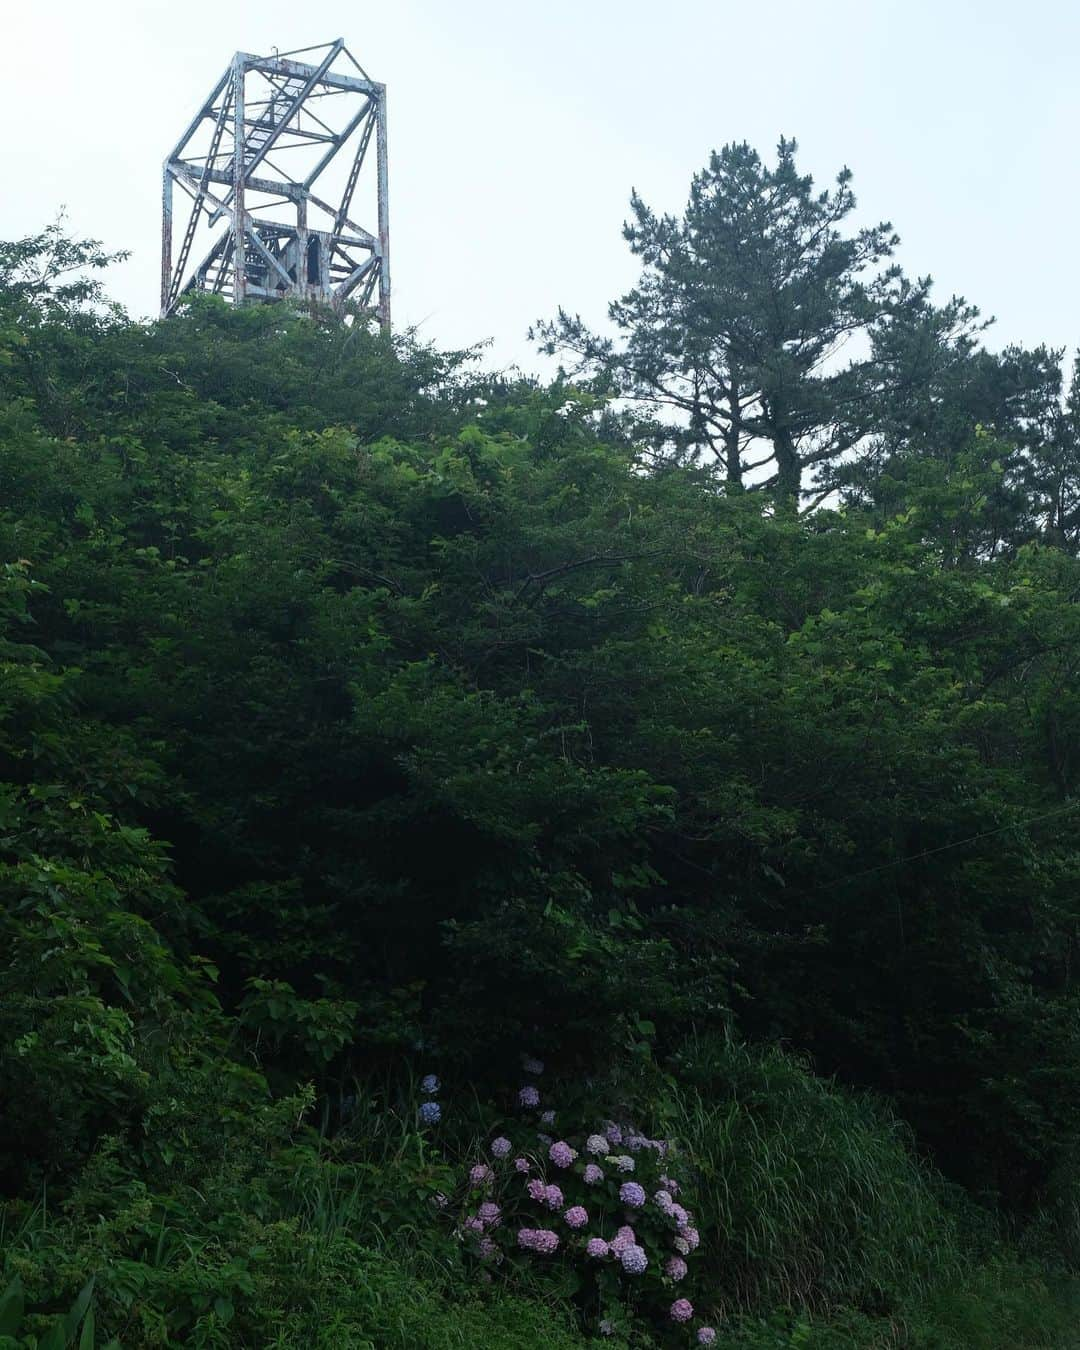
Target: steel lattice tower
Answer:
[[252, 160]]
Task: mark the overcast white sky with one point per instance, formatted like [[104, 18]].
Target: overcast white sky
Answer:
[[517, 131]]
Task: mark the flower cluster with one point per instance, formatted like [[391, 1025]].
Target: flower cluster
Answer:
[[538, 1240], [605, 1197], [429, 1112]]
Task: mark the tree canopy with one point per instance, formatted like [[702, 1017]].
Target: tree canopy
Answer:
[[360, 708]]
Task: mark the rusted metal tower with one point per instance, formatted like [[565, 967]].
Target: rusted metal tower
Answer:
[[266, 141]]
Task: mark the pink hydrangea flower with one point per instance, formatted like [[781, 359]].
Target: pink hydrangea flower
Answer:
[[561, 1154], [577, 1216], [633, 1259], [597, 1247], [630, 1193], [501, 1147], [682, 1310], [537, 1190], [691, 1237], [481, 1175], [706, 1336], [675, 1268], [593, 1174], [521, 1164], [624, 1238], [553, 1197], [528, 1096]]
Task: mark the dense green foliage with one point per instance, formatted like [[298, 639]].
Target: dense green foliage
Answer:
[[363, 715]]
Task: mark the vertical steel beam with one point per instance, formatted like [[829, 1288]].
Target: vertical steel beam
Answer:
[[384, 212], [166, 238], [239, 215], [302, 238]]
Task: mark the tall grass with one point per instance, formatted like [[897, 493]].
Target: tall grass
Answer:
[[808, 1196]]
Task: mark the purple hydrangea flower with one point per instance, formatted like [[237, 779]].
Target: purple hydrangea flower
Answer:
[[429, 1085], [630, 1193], [624, 1238], [430, 1113], [679, 1215], [612, 1132], [531, 1065], [528, 1096], [577, 1216], [691, 1237], [474, 1224], [706, 1336], [481, 1175], [634, 1142], [553, 1197], [675, 1268], [547, 1117], [633, 1259], [593, 1175], [538, 1240], [489, 1214], [536, 1189], [488, 1250], [682, 1310], [670, 1184], [521, 1164], [681, 1245], [501, 1147], [597, 1247], [623, 1162], [561, 1154], [663, 1201], [596, 1143]]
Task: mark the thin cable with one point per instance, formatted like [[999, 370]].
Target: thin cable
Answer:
[[942, 848]]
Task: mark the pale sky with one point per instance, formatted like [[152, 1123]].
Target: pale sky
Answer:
[[517, 132]]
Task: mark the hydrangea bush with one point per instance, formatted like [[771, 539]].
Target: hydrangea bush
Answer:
[[605, 1199]]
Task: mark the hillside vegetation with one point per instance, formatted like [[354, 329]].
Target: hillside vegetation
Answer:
[[394, 753]]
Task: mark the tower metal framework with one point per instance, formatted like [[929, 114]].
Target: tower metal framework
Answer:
[[253, 162]]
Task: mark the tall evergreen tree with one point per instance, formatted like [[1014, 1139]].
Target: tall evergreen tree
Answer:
[[736, 338]]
